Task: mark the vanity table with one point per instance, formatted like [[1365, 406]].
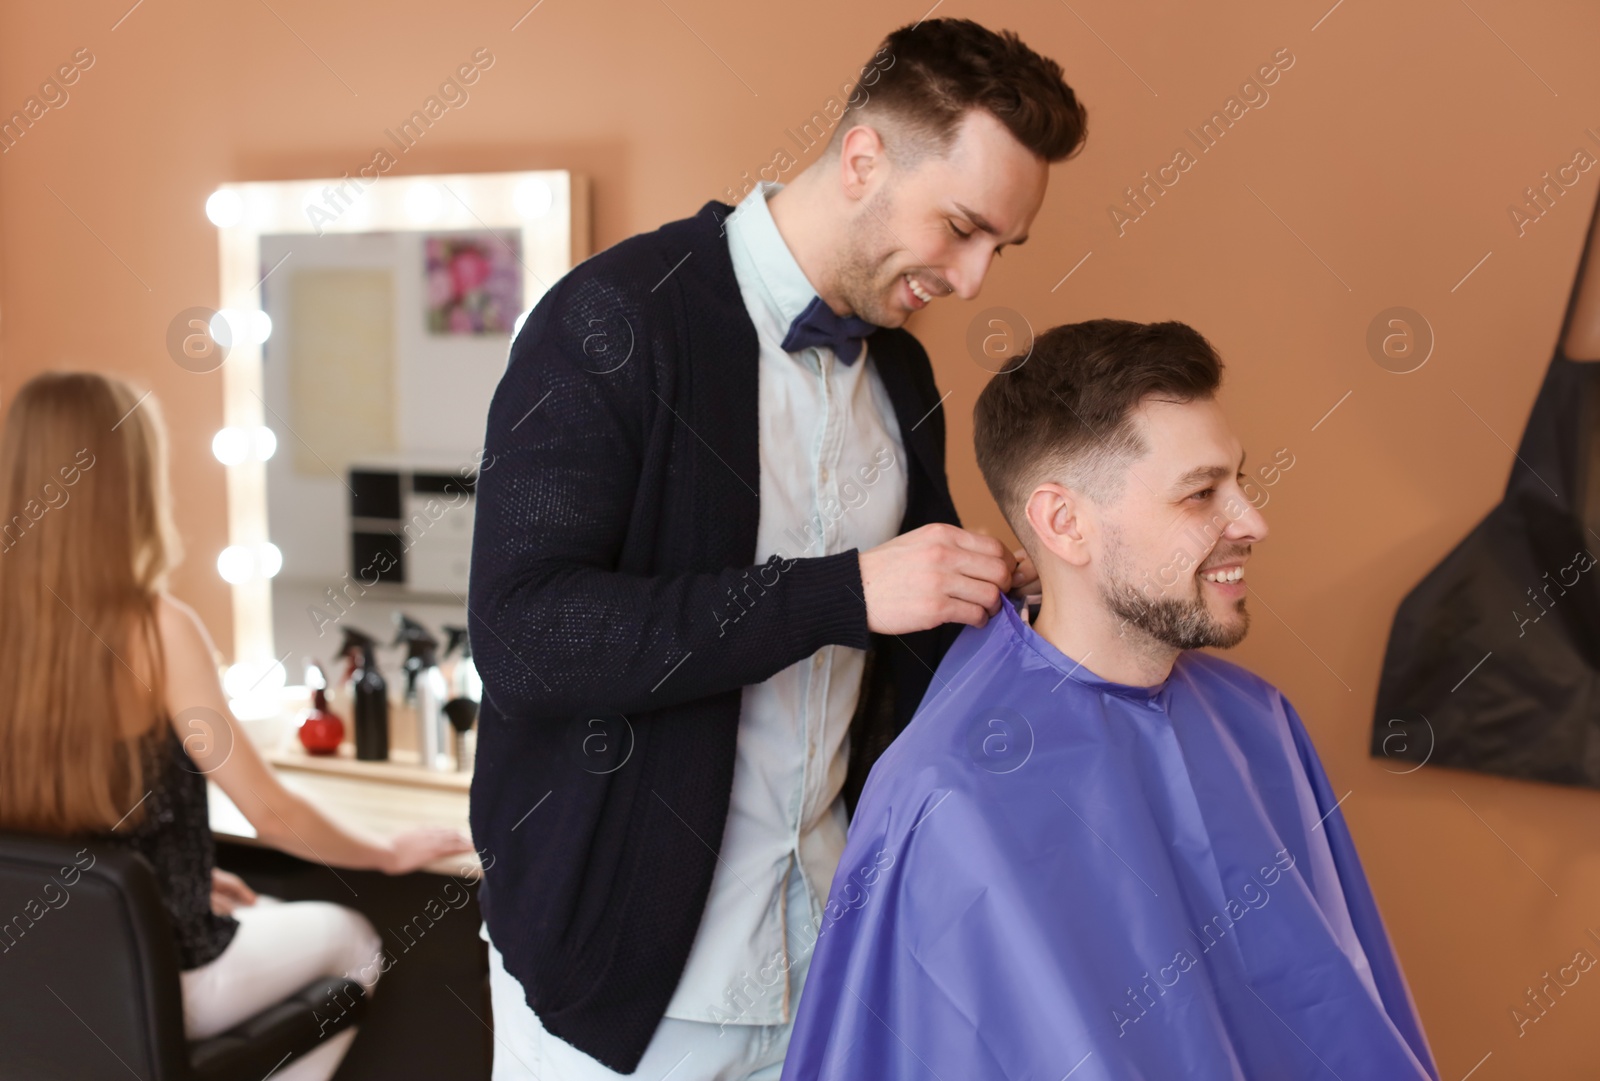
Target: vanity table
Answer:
[[429, 1016], [382, 797]]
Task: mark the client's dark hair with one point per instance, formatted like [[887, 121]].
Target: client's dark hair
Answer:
[[1064, 412], [925, 78]]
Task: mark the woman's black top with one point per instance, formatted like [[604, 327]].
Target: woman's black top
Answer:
[[174, 835]]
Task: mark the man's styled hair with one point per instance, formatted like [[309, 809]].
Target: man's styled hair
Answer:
[[925, 78], [1064, 412]]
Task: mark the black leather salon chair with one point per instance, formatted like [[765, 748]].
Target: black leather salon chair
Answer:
[[89, 979]]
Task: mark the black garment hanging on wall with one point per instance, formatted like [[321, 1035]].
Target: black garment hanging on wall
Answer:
[[1494, 658]]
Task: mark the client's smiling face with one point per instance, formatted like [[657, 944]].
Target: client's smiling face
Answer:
[[1175, 542]]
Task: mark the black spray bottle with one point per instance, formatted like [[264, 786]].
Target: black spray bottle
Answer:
[[369, 695]]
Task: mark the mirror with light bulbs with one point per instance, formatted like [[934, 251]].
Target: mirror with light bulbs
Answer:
[[363, 327]]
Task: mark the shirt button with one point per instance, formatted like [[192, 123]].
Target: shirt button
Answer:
[[823, 473], [818, 661]]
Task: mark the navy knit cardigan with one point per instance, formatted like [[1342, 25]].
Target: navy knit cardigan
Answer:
[[616, 610]]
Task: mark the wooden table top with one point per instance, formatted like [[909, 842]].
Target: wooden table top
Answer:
[[383, 797]]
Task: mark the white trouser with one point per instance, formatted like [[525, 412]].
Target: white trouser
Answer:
[[278, 949], [680, 1050]]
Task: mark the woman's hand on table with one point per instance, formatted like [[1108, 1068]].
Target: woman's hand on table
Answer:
[[228, 892], [417, 848]]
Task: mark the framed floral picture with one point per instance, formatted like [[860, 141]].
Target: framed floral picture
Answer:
[[473, 282]]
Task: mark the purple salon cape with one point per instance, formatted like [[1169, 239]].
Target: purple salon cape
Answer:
[[1053, 876]]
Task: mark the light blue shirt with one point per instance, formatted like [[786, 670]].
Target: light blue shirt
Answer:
[[832, 478]]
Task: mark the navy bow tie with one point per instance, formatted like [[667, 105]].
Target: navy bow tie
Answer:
[[818, 325]]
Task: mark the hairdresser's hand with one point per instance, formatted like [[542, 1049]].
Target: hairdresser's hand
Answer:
[[228, 892], [417, 848], [1025, 579], [932, 575]]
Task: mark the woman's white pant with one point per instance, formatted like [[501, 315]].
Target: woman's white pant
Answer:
[[279, 948]]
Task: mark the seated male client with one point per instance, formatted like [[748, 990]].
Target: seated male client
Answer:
[[1096, 851]]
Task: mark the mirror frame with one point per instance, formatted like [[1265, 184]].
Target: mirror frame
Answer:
[[554, 239]]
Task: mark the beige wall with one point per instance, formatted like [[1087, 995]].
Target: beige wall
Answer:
[[1378, 174]]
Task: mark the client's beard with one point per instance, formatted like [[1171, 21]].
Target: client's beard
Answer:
[[1181, 624]]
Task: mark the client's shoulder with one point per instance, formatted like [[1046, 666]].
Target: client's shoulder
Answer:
[[968, 726]]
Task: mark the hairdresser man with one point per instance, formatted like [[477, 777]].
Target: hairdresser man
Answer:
[[716, 563]]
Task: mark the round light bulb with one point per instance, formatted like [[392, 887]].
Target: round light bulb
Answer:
[[269, 559], [532, 198], [231, 446], [242, 325], [254, 679], [224, 208], [265, 443], [224, 327], [237, 564]]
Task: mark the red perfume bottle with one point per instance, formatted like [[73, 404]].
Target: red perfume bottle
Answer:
[[321, 731]]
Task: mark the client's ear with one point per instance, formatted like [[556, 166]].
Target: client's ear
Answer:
[[1054, 514]]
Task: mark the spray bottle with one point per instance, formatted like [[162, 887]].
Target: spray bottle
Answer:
[[466, 691], [426, 690], [320, 730], [369, 694]]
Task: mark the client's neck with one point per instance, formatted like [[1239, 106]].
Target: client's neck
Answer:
[[1100, 640]]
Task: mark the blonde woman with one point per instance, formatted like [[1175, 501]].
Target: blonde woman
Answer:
[[98, 663]]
